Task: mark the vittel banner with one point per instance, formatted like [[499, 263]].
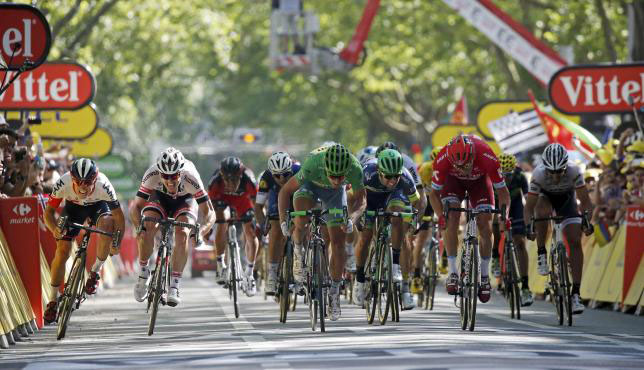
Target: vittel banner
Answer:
[[24, 34], [52, 86], [597, 89]]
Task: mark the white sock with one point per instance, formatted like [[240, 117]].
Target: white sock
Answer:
[[145, 270], [53, 292], [175, 280], [451, 264], [297, 249], [97, 265], [335, 287], [272, 269], [349, 249], [485, 267], [249, 269]]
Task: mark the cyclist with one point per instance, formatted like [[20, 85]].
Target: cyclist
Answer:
[[172, 188], [517, 185], [322, 177], [468, 163], [233, 185], [366, 154], [389, 185], [406, 251], [88, 194], [553, 186], [425, 173], [280, 169]]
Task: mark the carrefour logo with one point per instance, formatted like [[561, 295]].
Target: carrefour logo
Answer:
[[637, 215], [21, 209]]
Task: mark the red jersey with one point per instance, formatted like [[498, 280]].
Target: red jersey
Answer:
[[485, 164], [247, 186]]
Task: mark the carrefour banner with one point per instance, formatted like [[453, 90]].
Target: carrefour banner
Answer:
[[634, 245]]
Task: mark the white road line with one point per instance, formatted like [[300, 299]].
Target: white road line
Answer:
[[585, 335]]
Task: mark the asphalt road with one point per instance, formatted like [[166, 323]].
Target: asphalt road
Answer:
[[110, 330]]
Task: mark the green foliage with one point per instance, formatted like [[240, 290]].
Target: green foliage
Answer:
[[170, 70]]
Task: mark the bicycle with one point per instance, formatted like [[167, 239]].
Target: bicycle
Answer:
[[380, 287], [159, 286], [559, 287], [74, 293], [469, 262], [510, 276], [316, 264], [429, 273], [285, 292], [235, 279]]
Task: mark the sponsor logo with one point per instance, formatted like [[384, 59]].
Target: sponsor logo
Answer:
[[192, 182], [51, 86], [150, 174], [21, 209], [22, 220], [597, 89], [109, 190], [636, 215], [24, 35]]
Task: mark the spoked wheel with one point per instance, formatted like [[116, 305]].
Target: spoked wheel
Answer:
[[565, 283], [396, 303], [555, 289], [155, 296], [233, 281], [70, 295], [432, 278], [384, 285], [371, 285], [319, 285], [284, 293], [463, 291], [311, 292], [515, 291], [474, 286]]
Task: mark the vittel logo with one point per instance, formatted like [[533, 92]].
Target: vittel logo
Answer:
[[22, 36], [21, 209]]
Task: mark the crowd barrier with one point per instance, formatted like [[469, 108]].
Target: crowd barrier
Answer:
[[27, 249]]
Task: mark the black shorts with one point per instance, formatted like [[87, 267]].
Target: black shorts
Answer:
[[168, 206], [516, 215], [564, 204], [78, 214], [429, 212]]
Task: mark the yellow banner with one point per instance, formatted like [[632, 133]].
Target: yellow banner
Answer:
[[594, 268], [96, 146], [637, 287], [444, 133], [494, 110], [68, 124], [610, 288]]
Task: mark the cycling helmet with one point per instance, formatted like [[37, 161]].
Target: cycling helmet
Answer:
[[508, 162], [231, 166], [460, 150], [425, 171], [434, 154], [337, 160], [279, 162], [390, 162], [367, 153], [170, 161], [84, 170], [387, 145], [555, 157]]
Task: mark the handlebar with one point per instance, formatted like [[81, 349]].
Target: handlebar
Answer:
[[63, 224], [171, 222]]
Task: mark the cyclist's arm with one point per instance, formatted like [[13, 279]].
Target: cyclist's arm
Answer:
[[259, 212], [584, 199], [358, 205], [119, 221], [435, 201], [422, 201], [207, 218], [284, 197], [50, 218], [530, 203], [504, 199], [135, 211]]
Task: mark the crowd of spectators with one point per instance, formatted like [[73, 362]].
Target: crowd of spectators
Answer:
[[25, 168]]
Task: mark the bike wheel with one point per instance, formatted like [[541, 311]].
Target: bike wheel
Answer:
[[319, 283], [565, 283], [474, 286], [371, 287], [70, 294], [432, 278], [157, 291], [384, 282], [233, 283], [311, 292], [463, 291], [557, 298], [283, 291], [516, 292], [396, 303]]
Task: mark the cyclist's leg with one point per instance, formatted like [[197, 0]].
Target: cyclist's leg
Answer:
[[518, 237], [364, 240], [572, 233], [275, 237], [221, 237], [543, 208], [103, 219], [482, 197], [396, 203], [496, 236], [304, 199], [452, 193]]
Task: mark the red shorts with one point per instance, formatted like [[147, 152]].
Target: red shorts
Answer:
[[481, 192], [240, 204]]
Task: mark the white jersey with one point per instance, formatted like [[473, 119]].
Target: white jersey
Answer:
[[189, 184], [102, 191], [542, 182], [408, 163]]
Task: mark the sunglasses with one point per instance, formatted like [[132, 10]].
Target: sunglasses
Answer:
[[338, 177], [83, 182], [556, 172], [389, 177], [283, 175], [170, 177], [232, 178]]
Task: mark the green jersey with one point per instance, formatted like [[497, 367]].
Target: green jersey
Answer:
[[313, 171]]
